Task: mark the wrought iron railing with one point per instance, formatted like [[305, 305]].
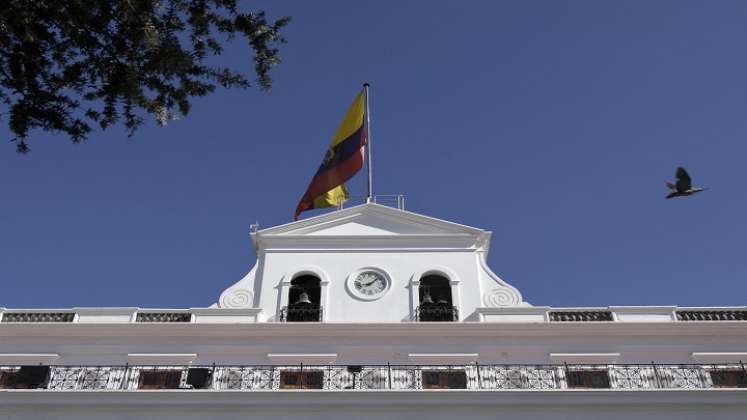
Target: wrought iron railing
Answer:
[[731, 315], [712, 315], [36, 317], [301, 313], [163, 317], [580, 316], [437, 313], [639, 377]]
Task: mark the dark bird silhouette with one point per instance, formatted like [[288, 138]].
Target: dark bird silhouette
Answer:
[[683, 187]]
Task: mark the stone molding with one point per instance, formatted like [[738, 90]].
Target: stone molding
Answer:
[[226, 315], [719, 357], [161, 358], [443, 358], [534, 314], [643, 313], [105, 315], [409, 329], [500, 294], [733, 398], [28, 358], [582, 358], [241, 293], [305, 358]]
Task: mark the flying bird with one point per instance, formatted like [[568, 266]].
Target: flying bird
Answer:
[[683, 187]]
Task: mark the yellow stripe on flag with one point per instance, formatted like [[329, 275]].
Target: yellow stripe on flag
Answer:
[[332, 198], [352, 121]]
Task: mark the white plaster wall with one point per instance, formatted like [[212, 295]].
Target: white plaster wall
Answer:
[[248, 344], [341, 306], [386, 405], [402, 244], [672, 412]]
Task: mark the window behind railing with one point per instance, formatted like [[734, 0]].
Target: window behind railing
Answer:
[[729, 378], [199, 378], [25, 377], [312, 379], [595, 378], [160, 379], [444, 379]]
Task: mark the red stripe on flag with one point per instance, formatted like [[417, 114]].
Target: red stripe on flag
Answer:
[[331, 178]]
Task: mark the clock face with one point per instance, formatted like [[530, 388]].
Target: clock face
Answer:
[[370, 285]]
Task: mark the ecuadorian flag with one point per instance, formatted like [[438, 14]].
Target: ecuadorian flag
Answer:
[[343, 159]]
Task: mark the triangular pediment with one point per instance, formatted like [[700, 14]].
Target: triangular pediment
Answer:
[[370, 220]]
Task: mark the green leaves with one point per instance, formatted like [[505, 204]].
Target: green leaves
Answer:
[[67, 65]]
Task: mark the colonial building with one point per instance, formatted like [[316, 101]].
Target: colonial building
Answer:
[[373, 312]]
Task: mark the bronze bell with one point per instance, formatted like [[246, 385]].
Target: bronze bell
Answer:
[[303, 299], [427, 299]]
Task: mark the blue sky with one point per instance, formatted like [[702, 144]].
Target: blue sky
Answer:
[[552, 124]]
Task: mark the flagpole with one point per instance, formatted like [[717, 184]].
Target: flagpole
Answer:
[[369, 198]]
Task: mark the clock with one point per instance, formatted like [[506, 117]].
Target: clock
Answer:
[[368, 284]]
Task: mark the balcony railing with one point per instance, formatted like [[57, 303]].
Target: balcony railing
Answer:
[[301, 313], [654, 314], [715, 315], [394, 377], [37, 317], [580, 316], [437, 313], [163, 317]]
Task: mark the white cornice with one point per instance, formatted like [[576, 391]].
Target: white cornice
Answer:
[[352, 212], [719, 357], [721, 398], [28, 358], [368, 243], [399, 230], [584, 357], [160, 358], [491, 315], [226, 315], [443, 358], [275, 330], [307, 358], [105, 315], [644, 313]]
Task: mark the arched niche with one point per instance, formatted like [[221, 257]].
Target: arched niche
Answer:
[[435, 295], [309, 280]]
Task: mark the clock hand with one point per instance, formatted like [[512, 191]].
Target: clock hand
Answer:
[[371, 282]]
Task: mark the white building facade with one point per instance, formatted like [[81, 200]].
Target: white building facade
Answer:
[[373, 312]]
